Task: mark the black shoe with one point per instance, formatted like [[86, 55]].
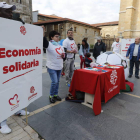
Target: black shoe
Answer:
[[130, 76], [137, 77], [57, 98], [52, 100]]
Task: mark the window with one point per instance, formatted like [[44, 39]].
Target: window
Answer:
[[56, 27], [85, 30], [20, 1], [75, 28]]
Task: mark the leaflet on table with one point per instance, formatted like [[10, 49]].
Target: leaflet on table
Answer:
[[95, 69], [112, 67]]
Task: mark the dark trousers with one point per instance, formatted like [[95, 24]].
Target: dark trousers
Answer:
[[132, 62]]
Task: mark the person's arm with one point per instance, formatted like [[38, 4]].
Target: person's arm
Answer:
[[112, 47], [120, 48], [45, 42], [88, 48], [94, 51], [104, 47], [81, 51], [128, 52]]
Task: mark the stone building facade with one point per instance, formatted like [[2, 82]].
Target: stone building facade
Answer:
[[81, 30], [108, 29], [24, 8], [129, 21]]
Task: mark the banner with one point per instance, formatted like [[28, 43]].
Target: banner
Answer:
[[125, 43], [20, 66]]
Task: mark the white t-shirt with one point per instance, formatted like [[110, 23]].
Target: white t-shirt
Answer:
[[69, 45], [54, 59], [135, 53], [116, 47]]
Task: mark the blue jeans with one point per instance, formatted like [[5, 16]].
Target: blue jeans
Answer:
[[55, 77], [133, 62]]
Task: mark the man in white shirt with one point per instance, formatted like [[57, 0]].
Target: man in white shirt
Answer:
[[70, 49], [116, 46]]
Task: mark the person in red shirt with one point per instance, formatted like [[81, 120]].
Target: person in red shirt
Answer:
[[88, 60]]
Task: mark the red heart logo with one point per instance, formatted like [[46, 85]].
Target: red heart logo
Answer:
[[14, 100], [59, 50], [72, 45]]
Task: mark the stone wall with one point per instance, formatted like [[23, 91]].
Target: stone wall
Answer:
[[24, 7], [129, 20], [81, 32], [111, 31]]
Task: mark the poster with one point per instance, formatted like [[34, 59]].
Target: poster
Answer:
[[125, 43], [20, 66]]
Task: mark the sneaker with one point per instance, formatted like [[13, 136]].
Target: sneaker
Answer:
[[130, 76], [22, 113], [57, 98], [137, 77], [52, 100], [5, 129]]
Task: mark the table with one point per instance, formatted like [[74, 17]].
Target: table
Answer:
[[104, 86]]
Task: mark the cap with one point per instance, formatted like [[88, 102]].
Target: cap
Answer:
[[7, 6]]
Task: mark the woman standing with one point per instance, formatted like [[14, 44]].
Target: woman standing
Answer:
[[55, 55], [84, 49]]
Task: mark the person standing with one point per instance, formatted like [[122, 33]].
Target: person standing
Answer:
[[55, 55], [84, 49], [6, 12], [99, 48], [78, 46], [116, 46], [133, 54], [70, 48]]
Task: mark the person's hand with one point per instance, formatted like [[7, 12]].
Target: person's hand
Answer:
[[72, 51], [139, 59], [63, 55], [44, 30], [127, 57]]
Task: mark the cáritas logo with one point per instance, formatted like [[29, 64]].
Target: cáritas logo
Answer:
[[23, 30], [113, 77], [14, 102], [32, 90]]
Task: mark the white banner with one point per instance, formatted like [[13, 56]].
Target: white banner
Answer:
[[125, 43], [20, 66]]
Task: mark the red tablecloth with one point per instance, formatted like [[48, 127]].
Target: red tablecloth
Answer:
[[103, 85]]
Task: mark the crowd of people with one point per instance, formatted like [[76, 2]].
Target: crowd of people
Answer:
[[61, 57]]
